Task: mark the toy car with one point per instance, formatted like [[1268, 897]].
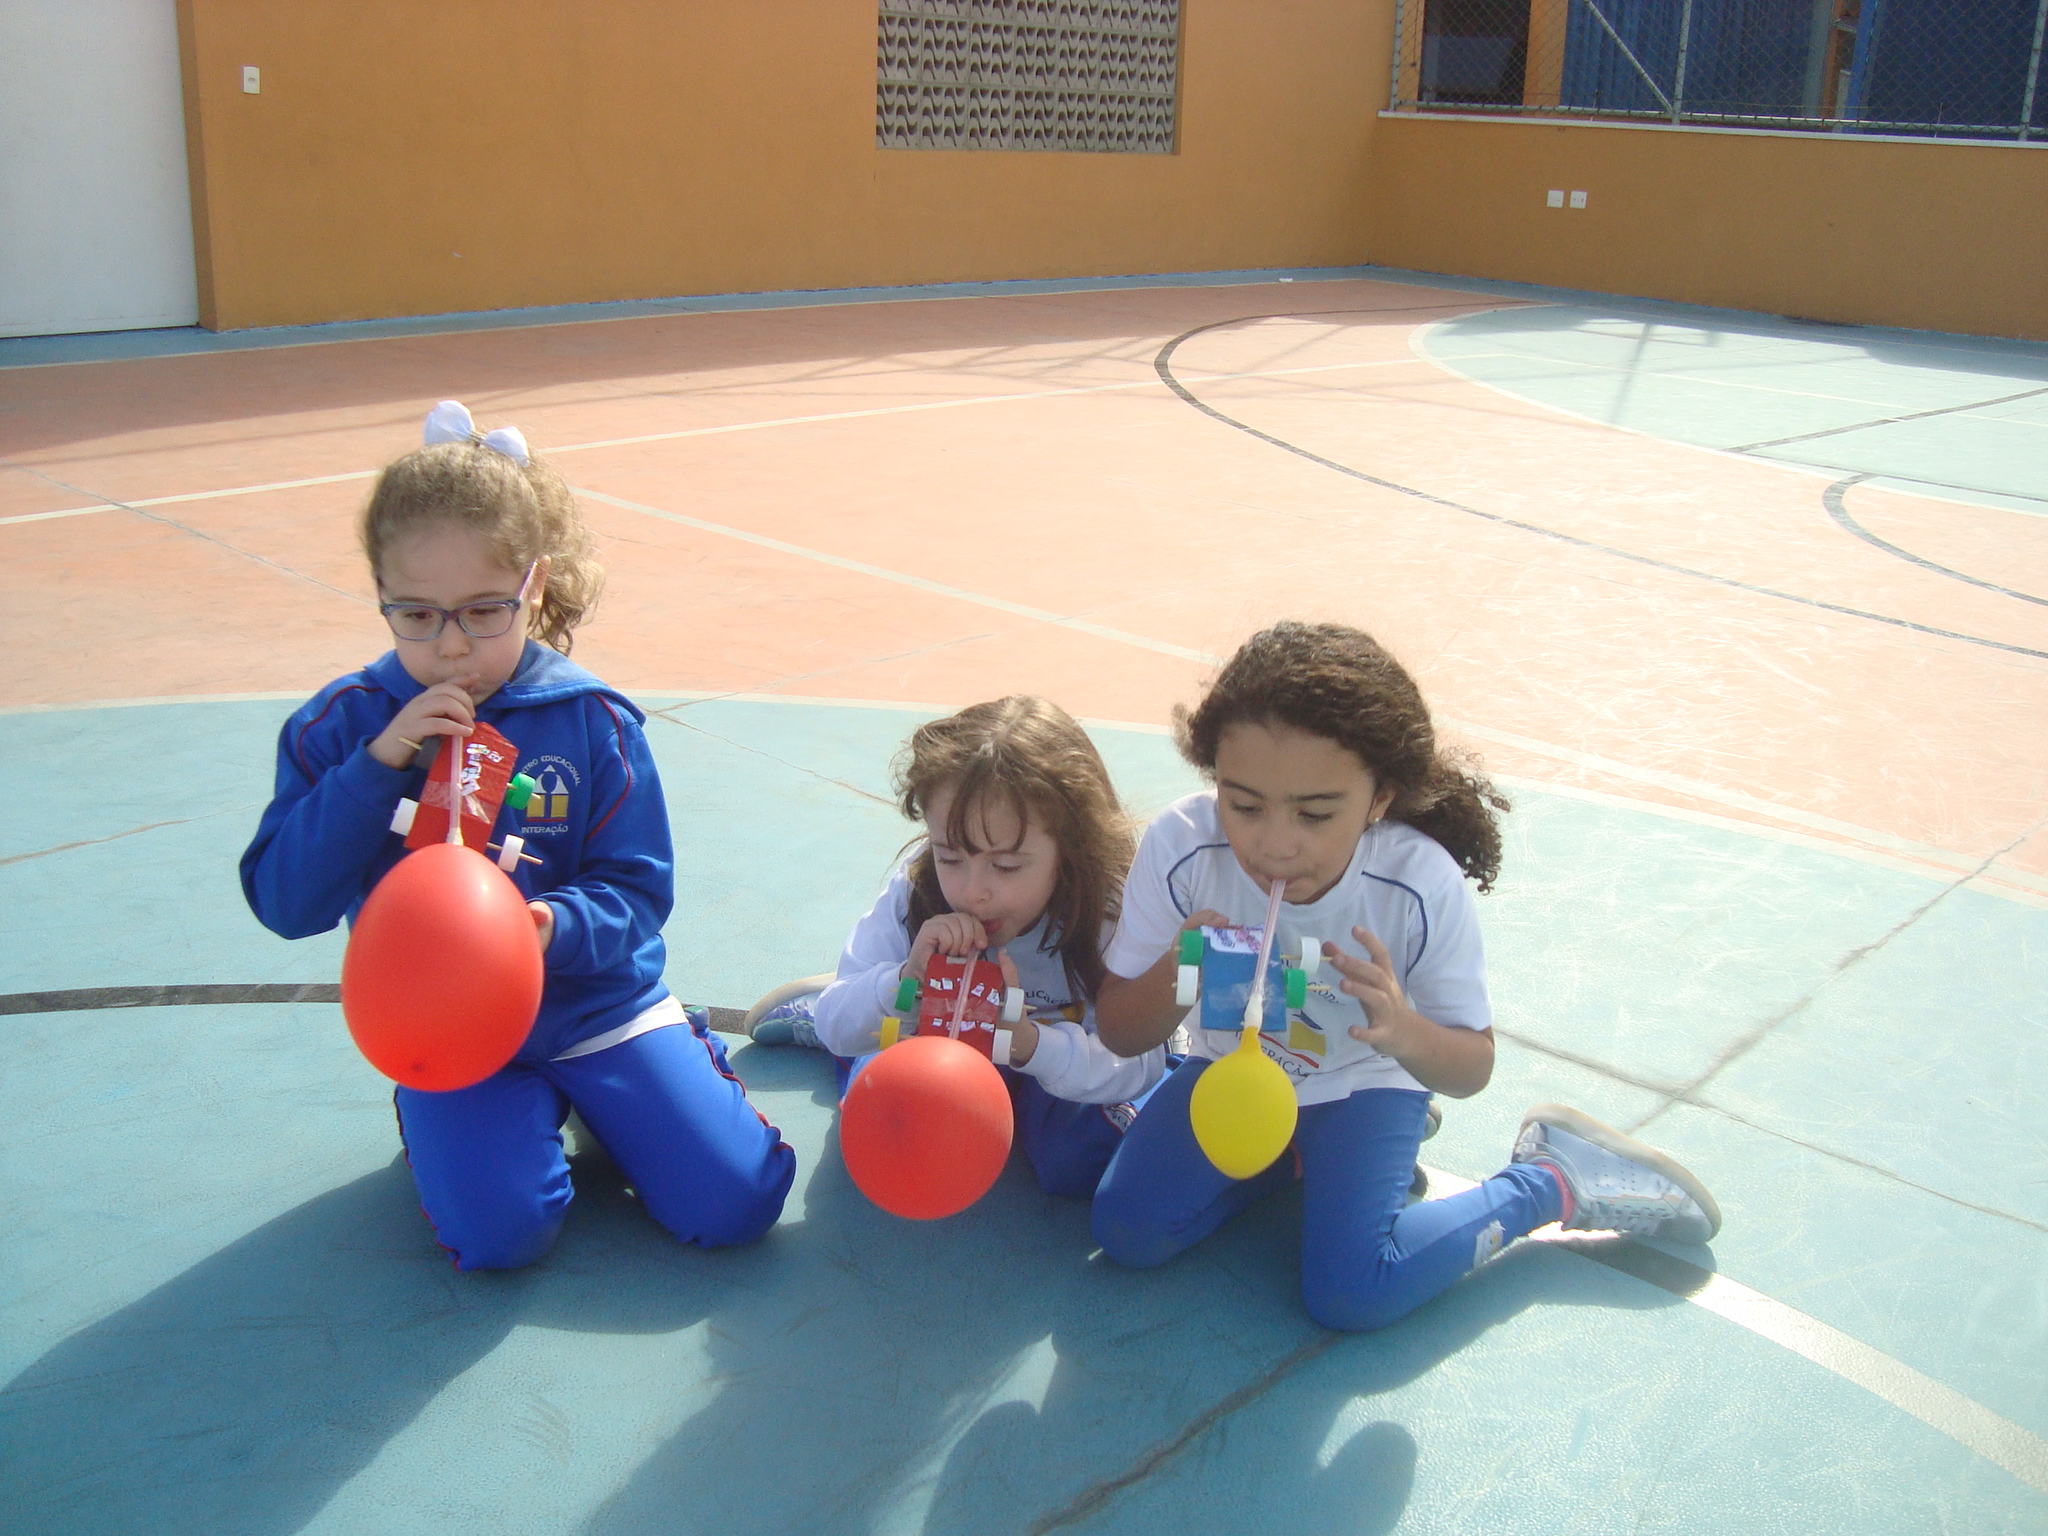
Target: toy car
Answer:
[[1215, 969], [964, 999], [488, 781]]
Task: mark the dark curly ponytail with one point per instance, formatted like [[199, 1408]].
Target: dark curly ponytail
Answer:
[[1336, 682]]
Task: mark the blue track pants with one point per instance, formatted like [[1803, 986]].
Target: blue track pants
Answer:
[[494, 1182], [1367, 1256]]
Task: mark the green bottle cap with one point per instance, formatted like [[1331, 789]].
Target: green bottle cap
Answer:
[[906, 994], [1191, 947], [1297, 987], [519, 791]]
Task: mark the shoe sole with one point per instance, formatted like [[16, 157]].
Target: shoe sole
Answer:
[[1608, 1139], [783, 994]]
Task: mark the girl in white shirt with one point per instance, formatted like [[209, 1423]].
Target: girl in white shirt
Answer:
[[1022, 853], [1329, 781]]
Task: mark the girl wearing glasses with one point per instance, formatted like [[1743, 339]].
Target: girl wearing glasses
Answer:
[[484, 569]]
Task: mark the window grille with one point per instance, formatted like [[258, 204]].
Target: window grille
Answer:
[[1948, 68], [1098, 75]]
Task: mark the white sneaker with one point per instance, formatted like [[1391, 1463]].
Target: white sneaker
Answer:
[[1616, 1183], [784, 1017]]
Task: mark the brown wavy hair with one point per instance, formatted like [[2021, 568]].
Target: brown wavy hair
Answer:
[[1032, 756], [524, 514], [1339, 683]]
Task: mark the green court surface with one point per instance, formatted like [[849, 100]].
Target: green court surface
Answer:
[[221, 1313], [1958, 416]]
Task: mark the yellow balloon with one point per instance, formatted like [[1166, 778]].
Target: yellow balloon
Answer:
[[1243, 1110]]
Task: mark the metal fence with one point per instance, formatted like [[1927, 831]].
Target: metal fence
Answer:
[[1949, 68]]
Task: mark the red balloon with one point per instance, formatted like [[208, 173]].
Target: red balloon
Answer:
[[442, 977], [926, 1127]]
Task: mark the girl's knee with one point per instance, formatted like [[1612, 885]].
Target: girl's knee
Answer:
[[1350, 1309], [729, 1209], [503, 1243], [1133, 1243]]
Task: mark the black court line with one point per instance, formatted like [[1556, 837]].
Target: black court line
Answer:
[[1162, 364], [1833, 496], [1888, 421], [85, 999]]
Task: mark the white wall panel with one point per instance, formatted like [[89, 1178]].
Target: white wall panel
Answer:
[[95, 212]]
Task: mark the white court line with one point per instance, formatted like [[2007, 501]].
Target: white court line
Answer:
[[2007, 885], [1963, 1419], [1713, 794], [902, 578], [40, 517], [1922, 853], [1699, 790], [763, 425]]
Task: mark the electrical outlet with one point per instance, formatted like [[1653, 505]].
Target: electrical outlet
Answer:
[[252, 80], [1554, 198], [1578, 199]]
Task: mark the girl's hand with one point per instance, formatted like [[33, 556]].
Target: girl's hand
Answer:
[[1206, 918], [543, 923], [1023, 1033], [1443, 1059], [950, 933], [1391, 1025], [442, 710]]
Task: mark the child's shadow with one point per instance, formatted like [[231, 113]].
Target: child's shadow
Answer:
[[1318, 1449], [873, 1341], [242, 1394]]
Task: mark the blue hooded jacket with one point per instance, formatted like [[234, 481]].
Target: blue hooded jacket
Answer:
[[598, 824]]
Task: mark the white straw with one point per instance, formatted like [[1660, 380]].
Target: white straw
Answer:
[[1255, 1004], [454, 788], [960, 1003]]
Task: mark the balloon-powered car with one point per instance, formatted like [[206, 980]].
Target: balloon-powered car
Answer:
[[442, 978], [926, 1125]]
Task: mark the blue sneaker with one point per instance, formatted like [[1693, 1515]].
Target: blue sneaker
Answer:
[[1613, 1182], [783, 1017]]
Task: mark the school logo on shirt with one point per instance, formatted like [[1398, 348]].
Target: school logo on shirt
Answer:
[[556, 783]]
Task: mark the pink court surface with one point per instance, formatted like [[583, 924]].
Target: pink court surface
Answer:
[[1749, 616]]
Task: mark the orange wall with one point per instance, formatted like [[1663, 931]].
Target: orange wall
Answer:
[[408, 158], [1950, 237]]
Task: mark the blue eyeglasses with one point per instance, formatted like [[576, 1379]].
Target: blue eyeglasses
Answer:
[[479, 621]]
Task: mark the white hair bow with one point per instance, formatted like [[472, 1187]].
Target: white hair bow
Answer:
[[450, 422]]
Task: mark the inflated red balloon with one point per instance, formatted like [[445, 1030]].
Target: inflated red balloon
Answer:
[[442, 977], [926, 1127]]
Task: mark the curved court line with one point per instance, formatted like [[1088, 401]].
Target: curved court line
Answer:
[[1832, 499], [1963, 1419], [760, 425], [1906, 849], [1163, 362]]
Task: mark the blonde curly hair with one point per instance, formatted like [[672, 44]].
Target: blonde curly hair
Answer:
[[524, 514]]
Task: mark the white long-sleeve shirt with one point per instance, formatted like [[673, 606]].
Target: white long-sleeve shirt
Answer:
[[1069, 1062]]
